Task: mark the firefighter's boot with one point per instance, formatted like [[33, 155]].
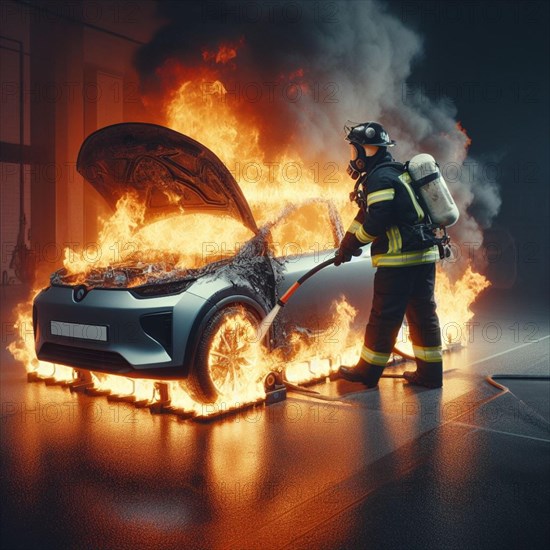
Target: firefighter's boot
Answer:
[[416, 378], [362, 372]]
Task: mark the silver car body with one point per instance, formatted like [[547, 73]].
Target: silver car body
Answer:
[[119, 331]]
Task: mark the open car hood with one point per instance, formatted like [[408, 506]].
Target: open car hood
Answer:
[[169, 171]]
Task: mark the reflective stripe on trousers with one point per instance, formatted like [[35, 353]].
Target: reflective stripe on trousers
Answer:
[[400, 291]]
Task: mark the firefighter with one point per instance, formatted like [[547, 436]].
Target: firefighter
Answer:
[[405, 275]]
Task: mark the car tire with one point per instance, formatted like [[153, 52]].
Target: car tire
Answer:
[[221, 367]]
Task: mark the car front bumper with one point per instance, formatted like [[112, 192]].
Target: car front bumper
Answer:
[[113, 330]]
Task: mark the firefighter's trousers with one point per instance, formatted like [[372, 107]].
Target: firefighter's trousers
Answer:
[[400, 291]]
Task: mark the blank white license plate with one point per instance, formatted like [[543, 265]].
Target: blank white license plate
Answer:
[[77, 330]]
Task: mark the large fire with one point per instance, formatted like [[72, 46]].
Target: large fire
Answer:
[[130, 251]]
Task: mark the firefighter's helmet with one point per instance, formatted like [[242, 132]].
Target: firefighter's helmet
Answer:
[[369, 133]]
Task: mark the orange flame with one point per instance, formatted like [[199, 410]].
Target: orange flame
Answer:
[[224, 53], [199, 108], [124, 241], [462, 130], [454, 301]]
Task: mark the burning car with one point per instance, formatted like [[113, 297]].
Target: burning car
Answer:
[[172, 317]]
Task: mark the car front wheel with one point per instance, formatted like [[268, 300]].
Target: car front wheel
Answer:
[[228, 363]]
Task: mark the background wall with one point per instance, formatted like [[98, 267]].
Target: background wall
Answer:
[[67, 68]]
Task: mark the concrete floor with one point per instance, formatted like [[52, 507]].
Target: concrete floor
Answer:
[[465, 466]]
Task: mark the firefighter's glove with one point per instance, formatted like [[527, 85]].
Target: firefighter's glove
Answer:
[[350, 246]]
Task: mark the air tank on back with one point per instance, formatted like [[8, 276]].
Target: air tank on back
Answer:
[[429, 184]]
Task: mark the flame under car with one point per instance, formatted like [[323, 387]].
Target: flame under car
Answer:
[[145, 318]]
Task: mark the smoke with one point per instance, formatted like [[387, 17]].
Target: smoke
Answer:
[[300, 70]]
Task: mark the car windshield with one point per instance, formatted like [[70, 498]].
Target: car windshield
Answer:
[[306, 228]]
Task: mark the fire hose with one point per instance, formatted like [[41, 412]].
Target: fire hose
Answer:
[[282, 301]]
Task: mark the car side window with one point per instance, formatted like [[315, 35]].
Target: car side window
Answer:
[[308, 228]]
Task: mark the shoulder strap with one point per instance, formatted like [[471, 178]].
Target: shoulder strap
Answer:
[[417, 195]]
